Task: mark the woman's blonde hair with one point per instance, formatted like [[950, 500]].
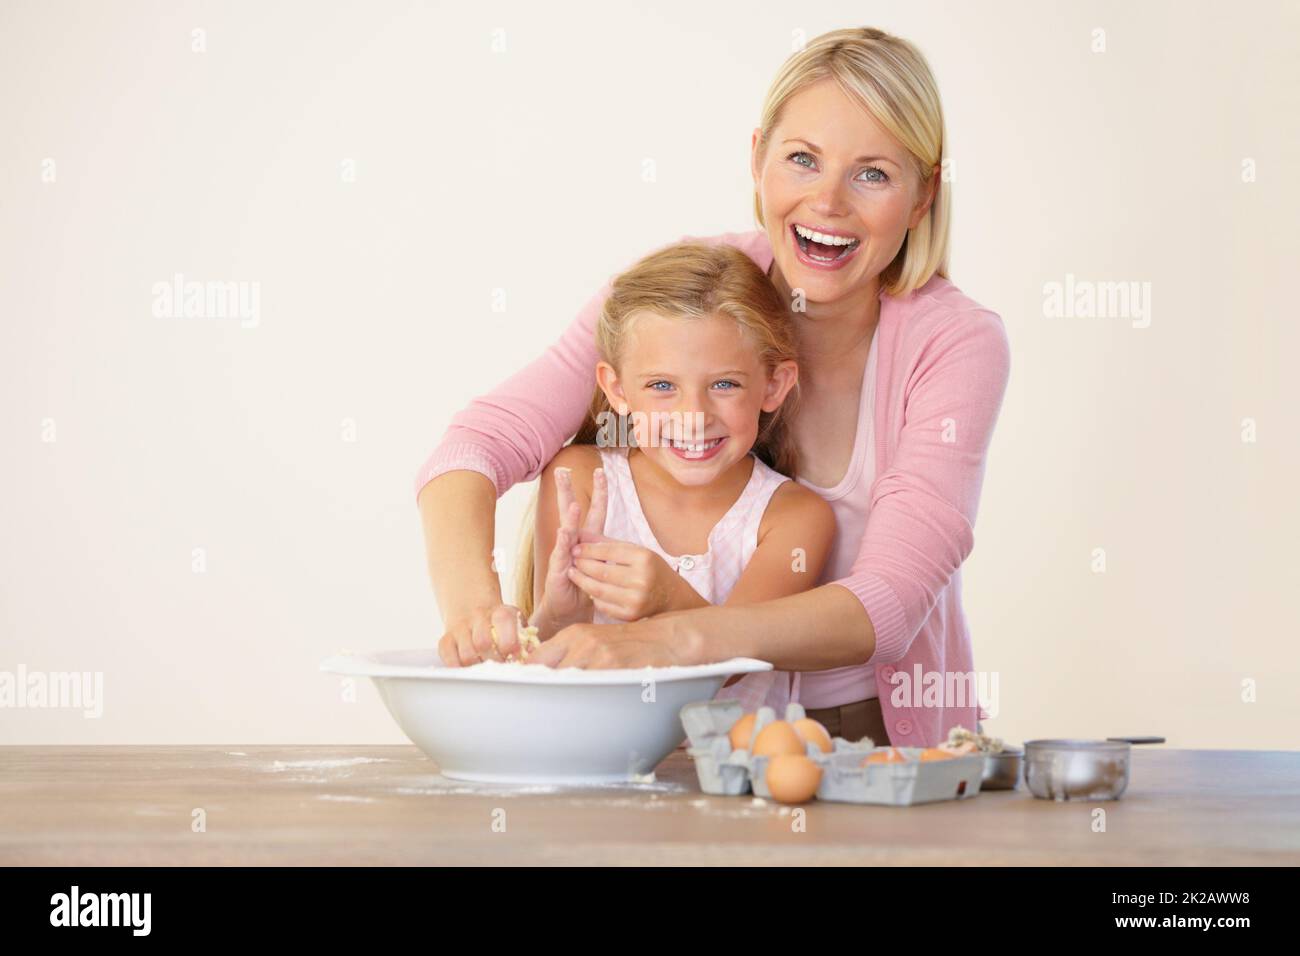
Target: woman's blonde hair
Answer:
[[890, 78], [690, 281]]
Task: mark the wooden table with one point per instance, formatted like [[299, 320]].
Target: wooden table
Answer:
[[388, 805]]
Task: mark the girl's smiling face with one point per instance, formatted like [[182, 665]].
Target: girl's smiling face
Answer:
[[838, 192], [694, 388]]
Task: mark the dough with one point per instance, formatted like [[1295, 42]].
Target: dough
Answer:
[[528, 641]]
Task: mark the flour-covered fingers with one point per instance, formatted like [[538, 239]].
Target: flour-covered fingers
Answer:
[[564, 496]]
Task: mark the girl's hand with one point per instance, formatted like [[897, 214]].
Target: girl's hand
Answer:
[[468, 639], [628, 582], [563, 602]]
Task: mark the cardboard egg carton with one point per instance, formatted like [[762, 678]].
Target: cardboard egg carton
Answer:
[[726, 772], [721, 771], [845, 780]]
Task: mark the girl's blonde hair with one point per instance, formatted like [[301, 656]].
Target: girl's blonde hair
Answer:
[[890, 78], [687, 280]]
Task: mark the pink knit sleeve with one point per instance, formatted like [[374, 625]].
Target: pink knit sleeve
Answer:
[[920, 525], [510, 433]]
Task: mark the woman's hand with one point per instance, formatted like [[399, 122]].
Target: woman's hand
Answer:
[[654, 642], [562, 601], [628, 582], [468, 639]]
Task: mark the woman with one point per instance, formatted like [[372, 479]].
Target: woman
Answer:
[[901, 380]]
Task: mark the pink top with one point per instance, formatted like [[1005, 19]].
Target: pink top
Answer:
[[850, 499], [942, 367]]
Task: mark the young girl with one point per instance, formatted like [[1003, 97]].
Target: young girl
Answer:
[[677, 489]]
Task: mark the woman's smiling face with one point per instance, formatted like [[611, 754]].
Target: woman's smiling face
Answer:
[[839, 193]]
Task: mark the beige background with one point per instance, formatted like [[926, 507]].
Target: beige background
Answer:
[[522, 170]]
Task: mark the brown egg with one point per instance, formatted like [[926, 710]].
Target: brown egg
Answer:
[[778, 737], [741, 731], [934, 753], [888, 755], [814, 733], [792, 778]]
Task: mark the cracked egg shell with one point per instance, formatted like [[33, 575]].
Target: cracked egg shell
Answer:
[[814, 733]]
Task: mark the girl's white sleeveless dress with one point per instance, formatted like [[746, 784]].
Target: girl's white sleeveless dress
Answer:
[[715, 572]]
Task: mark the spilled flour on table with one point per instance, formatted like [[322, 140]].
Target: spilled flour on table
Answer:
[[345, 798], [333, 763], [439, 785], [444, 787], [726, 807]]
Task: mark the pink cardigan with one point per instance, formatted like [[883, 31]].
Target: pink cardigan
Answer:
[[942, 367]]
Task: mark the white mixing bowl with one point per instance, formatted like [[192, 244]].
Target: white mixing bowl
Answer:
[[513, 723]]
